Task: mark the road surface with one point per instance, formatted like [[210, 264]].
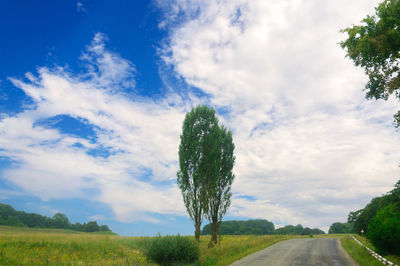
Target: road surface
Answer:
[[300, 251]]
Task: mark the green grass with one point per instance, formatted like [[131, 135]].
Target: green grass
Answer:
[[28, 246], [393, 258], [25, 246], [357, 252], [232, 248]]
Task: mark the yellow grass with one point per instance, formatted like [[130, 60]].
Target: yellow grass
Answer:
[[27, 246], [24, 246]]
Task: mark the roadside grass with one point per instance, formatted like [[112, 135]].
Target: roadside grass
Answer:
[[393, 258], [357, 252], [29, 246], [26, 246], [232, 248]]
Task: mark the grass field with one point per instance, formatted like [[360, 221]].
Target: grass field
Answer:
[[27, 246]]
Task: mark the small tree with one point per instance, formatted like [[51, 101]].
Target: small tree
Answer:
[[60, 220], [199, 161], [340, 228], [220, 184], [91, 226]]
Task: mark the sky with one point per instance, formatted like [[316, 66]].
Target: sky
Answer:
[[93, 95]]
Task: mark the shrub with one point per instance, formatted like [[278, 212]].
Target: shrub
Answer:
[[339, 228], [384, 229], [169, 250]]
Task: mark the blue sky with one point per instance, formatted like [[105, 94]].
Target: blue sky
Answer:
[[93, 95]]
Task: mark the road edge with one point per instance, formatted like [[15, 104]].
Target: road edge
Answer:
[[344, 252]]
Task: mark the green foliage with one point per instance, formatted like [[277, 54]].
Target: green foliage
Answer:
[[199, 157], [360, 219], [340, 228], [11, 217], [171, 250], [298, 230], [357, 252], [60, 220], [206, 161], [91, 227], [219, 191], [250, 227], [384, 229], [259, 227], [380, 220], [375, 46]]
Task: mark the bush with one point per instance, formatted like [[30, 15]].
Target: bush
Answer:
[[339, 228], [169, 250], [384, 229]]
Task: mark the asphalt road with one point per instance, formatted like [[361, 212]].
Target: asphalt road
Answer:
[[301, 251]]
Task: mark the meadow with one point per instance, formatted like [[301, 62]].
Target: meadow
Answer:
[[26, 246]]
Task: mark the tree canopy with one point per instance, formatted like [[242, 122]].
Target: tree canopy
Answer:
[[219, 192], [298, 230], [379, 219], [375, 46], [199, 161], [250, 227], [206, 161], [340, 228], [9, 216], [259, 227]]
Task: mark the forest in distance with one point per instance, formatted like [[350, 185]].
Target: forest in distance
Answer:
[[259, 227], [11, 217]]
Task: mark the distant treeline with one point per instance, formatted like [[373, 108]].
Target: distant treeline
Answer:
[[259, 227], [298, 230], [9, 216]]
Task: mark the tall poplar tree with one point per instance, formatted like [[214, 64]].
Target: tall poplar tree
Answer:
[[219, 192], [199, 161]]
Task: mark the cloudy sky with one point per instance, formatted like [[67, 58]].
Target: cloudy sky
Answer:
[[93, 95]]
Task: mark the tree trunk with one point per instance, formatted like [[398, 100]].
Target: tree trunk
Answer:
[[197, 232], [214, 232]]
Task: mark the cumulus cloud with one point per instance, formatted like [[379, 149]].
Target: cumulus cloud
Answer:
[[309, 147], [140, 136]]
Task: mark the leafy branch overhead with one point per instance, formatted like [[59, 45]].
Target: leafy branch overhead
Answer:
[[375, 46]]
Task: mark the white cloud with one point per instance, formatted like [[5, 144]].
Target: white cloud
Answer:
[[309, 147], [142, 135]]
